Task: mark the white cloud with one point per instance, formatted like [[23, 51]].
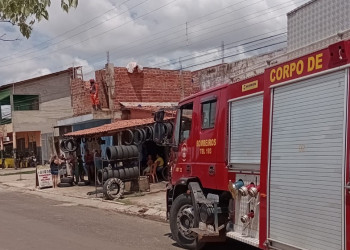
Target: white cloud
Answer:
[[84, 35]]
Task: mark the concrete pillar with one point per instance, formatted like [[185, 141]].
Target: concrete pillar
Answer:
[[14, 140], [110, 84]]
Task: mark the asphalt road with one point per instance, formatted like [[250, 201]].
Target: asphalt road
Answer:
[[31, 222]]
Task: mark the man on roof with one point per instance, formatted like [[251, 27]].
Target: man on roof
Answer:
[[94, 95]]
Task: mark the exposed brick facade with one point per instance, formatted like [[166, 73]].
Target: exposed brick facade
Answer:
[[80, 97], [150, 85]]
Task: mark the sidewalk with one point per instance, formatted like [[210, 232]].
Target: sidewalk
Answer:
[[146, 204]]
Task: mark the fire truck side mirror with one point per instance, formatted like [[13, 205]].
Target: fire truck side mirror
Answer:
[[159, 116]]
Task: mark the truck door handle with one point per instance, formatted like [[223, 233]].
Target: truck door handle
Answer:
[[347, 187]]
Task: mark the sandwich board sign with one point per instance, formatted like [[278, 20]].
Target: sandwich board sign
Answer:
[[44, 176]]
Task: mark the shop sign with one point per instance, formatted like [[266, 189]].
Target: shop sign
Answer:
[[44, 176]]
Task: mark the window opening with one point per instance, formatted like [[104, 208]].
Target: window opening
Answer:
[[208, 114]]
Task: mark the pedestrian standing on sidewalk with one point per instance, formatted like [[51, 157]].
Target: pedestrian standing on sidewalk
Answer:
[[89, 163], [54, 164], [80, 168]]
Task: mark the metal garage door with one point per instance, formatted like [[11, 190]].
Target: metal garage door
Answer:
[[307, 163], [245, 130]]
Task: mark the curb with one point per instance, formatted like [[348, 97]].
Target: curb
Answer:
[[99, 203]]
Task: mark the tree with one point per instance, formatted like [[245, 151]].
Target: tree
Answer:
[[24, 13]]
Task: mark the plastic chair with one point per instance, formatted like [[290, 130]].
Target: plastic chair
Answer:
[[152, 175]]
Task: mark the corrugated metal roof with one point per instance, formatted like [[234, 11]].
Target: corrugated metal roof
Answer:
[[112, 127]]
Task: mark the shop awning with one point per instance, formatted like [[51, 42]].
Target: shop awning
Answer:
[[112, 127]]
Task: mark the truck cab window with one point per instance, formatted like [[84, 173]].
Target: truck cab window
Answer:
[[184, 122], [208, 114]]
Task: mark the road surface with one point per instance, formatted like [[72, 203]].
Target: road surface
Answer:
[[31, 222]]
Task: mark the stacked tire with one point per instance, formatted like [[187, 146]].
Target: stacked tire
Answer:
[[66, 182], [138, 135], [162, 132], [122, 152], [123, 173]]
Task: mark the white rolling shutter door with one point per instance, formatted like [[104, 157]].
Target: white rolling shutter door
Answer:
[[306, 166], [245, 130]]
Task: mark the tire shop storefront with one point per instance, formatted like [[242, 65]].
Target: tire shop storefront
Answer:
[[131, 141]]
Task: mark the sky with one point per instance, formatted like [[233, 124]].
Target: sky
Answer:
[[166, 34]]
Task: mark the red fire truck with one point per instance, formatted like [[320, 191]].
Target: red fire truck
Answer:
[[265, 161]]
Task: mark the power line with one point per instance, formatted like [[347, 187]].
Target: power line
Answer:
[[66, 32], [221, 28], [206, 53], [194, 65], [110, 30], [97, 35]]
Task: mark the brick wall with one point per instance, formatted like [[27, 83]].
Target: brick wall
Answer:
[[233, 72], [80, 97], [150, 85]]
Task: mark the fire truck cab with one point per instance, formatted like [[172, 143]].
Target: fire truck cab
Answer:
[[265, 161]]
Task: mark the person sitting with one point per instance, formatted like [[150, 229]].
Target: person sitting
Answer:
[[159, 164], [149, 165]]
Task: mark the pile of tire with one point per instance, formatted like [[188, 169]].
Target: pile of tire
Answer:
[[65, 182], [163, 131], [138, 135], [68, 145], [123, 173], [122, 152]]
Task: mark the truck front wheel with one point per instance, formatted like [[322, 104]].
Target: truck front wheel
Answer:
[[182, 219]]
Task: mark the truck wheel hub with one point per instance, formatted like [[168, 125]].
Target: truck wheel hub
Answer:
[[185, 221]]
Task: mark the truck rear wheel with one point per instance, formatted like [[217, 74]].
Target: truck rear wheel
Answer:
[[182, 219]]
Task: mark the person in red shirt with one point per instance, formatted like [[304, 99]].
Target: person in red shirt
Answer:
[[94, 95]]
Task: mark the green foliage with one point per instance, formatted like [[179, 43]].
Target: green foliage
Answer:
[[24, 13]]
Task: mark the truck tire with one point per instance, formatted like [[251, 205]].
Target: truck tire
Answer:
[[130, 136], [119, 154], [136, 171], [125, 151], [135, 151], [99, 177], [181, 220], [111, 153], [113, 188], [121, 173], [64, 184], [105, 175], [127, 173], [71, 145], [138, 137], [110, 173], [67, 180], [159, 132], [168, 130], [116, 173], [130, 151], [63, 146], [149, 133]]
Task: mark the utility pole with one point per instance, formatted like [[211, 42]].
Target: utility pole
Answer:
[[222, 52], [110, 83], [187, 34], [181, 80]]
